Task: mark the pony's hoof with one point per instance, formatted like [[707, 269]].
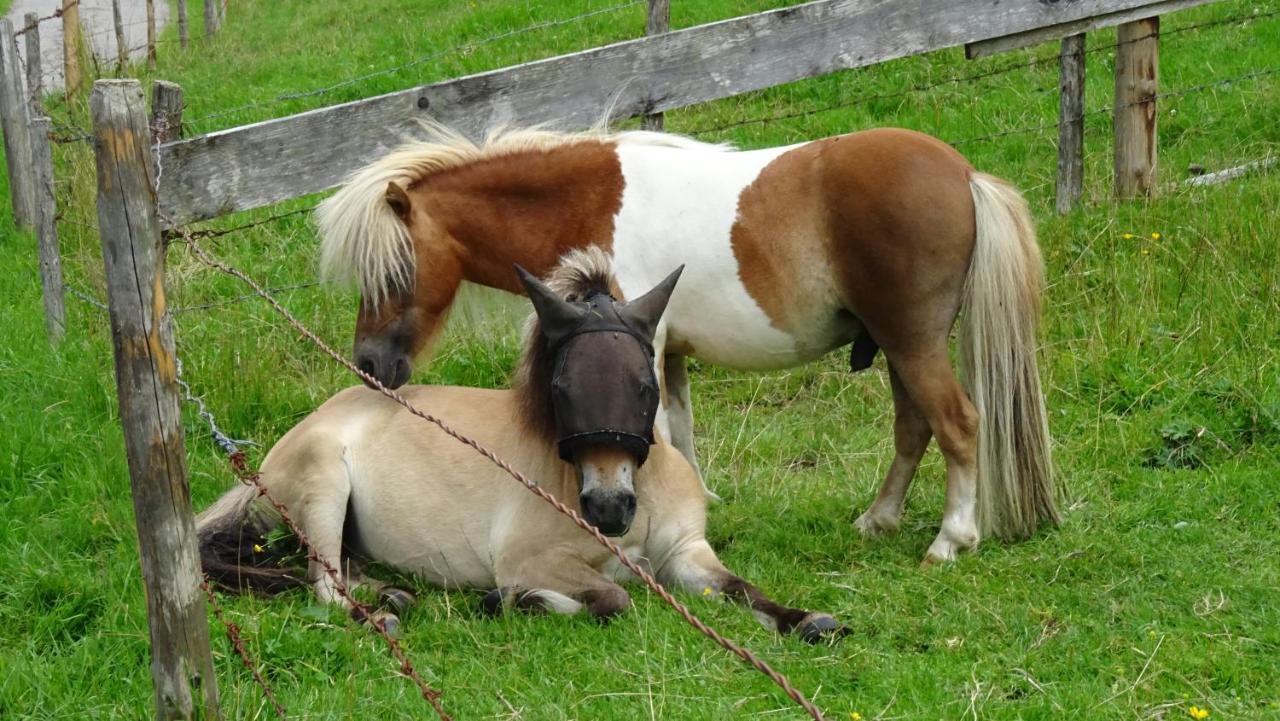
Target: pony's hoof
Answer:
[[871, 526], [391, 625], [398, 599], [491, 604], [819, 627], [384, 620]]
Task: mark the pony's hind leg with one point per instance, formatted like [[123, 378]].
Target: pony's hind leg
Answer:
[[697, 569], [930, 381], [910, 438]]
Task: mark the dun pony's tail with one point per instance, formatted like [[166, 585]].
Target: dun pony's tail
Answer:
[[998, 354], [234, 551]]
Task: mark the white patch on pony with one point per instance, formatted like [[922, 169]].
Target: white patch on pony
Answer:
[[554, 601], [679, 205]]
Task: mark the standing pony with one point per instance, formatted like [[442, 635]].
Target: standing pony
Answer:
[[876, 239], [361, 475]]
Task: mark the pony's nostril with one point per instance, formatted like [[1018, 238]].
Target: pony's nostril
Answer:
[[631, 504], [366, 366]]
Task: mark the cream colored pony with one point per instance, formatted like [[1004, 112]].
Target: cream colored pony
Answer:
[[362, 476]]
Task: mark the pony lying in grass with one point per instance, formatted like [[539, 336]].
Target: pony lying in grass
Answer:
[[361, 475], [876, 239]]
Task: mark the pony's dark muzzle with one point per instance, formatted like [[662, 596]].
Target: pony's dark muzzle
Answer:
[[390, 368], [610, 511]]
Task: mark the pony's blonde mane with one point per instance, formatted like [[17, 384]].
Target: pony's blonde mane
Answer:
[[364, 241]]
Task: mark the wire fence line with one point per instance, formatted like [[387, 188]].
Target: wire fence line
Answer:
[[56, 14], [237, 642], [459, 48]]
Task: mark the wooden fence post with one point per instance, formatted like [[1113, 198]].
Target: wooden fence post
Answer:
[[14, 111], [659, 22], [122, 50], [184, 35], [47, 230], [1070, 123], [35, 74], [151, 34], [166, 111], [142, 333], [210, 18], [71, 45], [1137, 79]]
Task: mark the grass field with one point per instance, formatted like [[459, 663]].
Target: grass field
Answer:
[[1160, 592]]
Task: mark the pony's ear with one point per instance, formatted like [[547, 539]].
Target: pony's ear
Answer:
[[558, 316], [398, 200], [644, 312]]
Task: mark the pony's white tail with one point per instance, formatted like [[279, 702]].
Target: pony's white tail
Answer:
[[998, 356]]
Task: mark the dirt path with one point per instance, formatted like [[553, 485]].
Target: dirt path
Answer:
[[99, 31]]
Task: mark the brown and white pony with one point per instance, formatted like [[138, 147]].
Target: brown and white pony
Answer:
[[361, 476], [877, 238]]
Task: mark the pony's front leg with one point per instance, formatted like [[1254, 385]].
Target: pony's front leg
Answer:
[[677, 412], [322, 517], [557, 583], [697, 569]]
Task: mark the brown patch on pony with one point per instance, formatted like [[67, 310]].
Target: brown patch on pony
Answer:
[[529, 207], [579, 273], [868, 205]]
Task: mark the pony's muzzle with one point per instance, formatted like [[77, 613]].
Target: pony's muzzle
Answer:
[[609, 510], [390, 367]]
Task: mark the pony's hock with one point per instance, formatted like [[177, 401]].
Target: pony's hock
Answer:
[[341, 473], [879, 239]]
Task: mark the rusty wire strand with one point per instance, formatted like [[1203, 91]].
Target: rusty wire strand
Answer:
[[237, 642], [203, 256]]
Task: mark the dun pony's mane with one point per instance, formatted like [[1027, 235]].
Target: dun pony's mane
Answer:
[[578, 274], [362, 239]]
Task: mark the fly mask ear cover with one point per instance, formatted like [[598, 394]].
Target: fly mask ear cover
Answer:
[[585, 417]]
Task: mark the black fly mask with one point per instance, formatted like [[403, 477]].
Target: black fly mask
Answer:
[[604, 391]]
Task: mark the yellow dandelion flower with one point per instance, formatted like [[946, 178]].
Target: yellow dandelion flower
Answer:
[[1155, 236], [1197, 713], [706, 591], [1127, 236], [258, 549], [855, 716]]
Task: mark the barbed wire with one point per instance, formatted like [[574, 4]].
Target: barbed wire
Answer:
[[782, 682], [237, 642], [86, 298], [241, 298], [215, 232], [1112, 108], [960, 79], [420, 60], [54, 16]]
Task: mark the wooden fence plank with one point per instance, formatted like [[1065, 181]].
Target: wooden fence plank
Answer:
[[1137, 80], [1070, 123], [142, 332], [122, 48], [1054, 32], [47, 231], [267, 162], [72, 46], [184, 33], [35, 74], [210, 18], [14, 112], [151, 34], [658, 22], [166, 111]]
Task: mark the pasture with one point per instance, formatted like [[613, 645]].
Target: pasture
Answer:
[[1161, 362]]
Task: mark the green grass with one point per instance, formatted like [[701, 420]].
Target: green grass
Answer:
[[1159, 592]]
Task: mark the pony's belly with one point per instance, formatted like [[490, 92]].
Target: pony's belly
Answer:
[[720, 336]]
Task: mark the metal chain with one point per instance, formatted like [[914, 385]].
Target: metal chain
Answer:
[[229, 446], [782, 682], [237, 642]]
